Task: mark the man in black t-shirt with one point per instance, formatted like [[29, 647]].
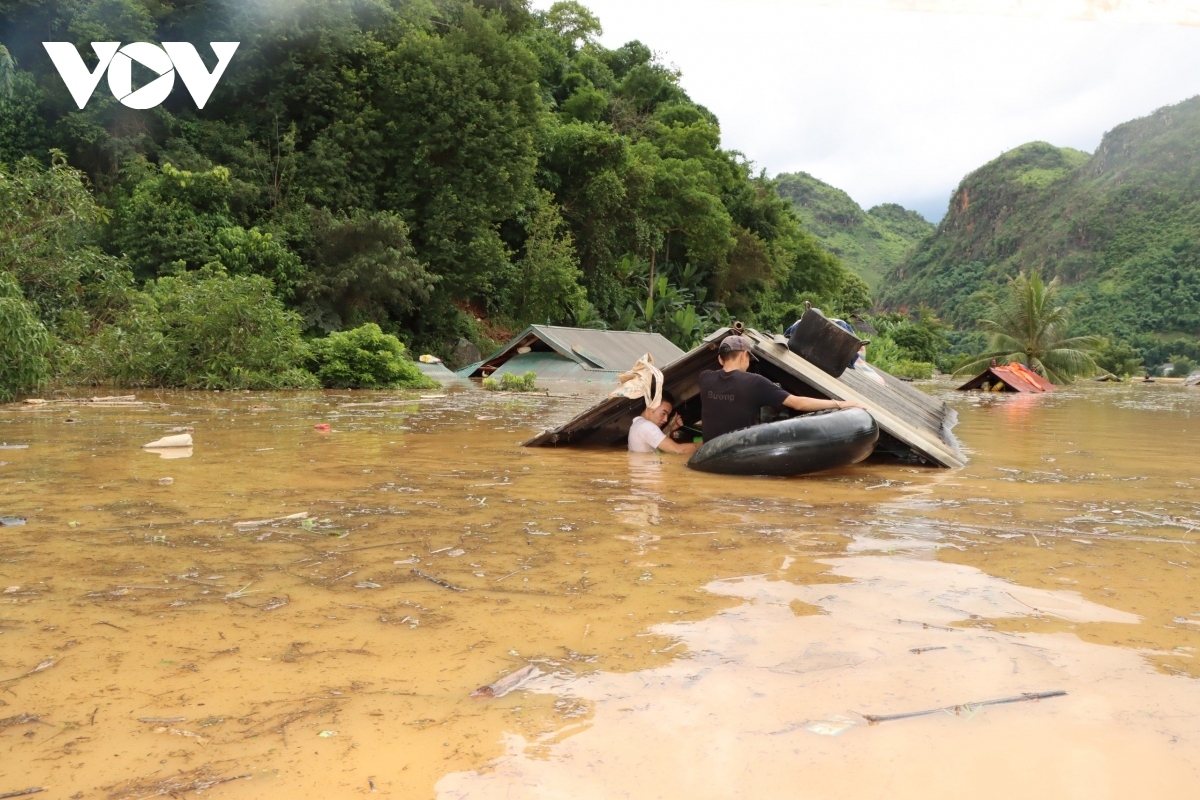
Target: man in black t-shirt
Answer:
[[731, 397]]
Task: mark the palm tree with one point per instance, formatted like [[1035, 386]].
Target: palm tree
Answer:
[[1026, 326]]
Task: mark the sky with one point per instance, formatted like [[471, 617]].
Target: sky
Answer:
[[896, 100]]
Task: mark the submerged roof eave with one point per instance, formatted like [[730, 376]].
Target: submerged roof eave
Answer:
[[553, 337], [932, 444]]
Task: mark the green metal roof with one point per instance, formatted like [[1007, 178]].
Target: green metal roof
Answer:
[[612, 351]]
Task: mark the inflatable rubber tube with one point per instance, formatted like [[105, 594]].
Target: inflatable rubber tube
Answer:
[[796, 446]]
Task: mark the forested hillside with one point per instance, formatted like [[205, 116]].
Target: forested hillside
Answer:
[[443, 168], [869, 242], [1120, 228]]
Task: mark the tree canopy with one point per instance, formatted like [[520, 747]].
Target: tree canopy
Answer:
[[439, 168]]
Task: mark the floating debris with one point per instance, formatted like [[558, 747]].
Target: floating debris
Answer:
[[196, 780], [831, 727], [119, 401], [19, 719], [438, 581], [255, 523], [42, 667], [162, 720], [11, 522], [178, 440], [509, 683], [22, 792], [964, 707], [177, 732]]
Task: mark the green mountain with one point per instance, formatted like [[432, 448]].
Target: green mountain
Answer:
[[869, 242], [1120, 228]]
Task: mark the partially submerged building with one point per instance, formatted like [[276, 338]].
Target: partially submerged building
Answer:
[[913, 425], [1014, 377], [580, 357]]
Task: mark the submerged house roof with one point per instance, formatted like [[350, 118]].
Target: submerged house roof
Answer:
[[1014, 377], [911, 422], [559, 353]]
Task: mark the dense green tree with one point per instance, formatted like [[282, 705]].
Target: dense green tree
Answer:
[[362, 268], [204, 329], [24, 342], [543, 285], [48, 222]]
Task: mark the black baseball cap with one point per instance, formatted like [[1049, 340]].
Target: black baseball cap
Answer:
[[732, 344]]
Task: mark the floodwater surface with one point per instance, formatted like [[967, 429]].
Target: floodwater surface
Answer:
[[286, 612]]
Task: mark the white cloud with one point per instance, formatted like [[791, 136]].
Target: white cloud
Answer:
[[897, 105]]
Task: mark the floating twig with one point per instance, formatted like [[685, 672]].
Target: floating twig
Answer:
[[45, 665], [161, 720], [916, 651], [109, 624], [438, 581], [970, 707], [928, 625], [22, 792], [514, 572]]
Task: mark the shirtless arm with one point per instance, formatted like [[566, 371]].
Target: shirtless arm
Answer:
[[806, 404]]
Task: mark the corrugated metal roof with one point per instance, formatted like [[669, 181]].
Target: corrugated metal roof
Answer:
[[617, 350], [1016, 376], [592, 349], [548, 366]]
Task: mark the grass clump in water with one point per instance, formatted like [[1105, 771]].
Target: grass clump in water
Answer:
[[512, 383]]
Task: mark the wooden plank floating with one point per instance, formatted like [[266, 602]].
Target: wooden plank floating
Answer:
[[915, 421]]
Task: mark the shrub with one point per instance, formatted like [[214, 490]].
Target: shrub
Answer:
[[1183, 366], [916, 370], [24, 342], [365, 358], [884, 353], [512, 383], [203, 330]]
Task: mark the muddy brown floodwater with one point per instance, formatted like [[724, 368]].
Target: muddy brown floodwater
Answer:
[[695, 636]]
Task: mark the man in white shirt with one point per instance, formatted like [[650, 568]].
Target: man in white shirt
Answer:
[[647, 434]]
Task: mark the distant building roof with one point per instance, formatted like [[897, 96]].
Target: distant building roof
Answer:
[[612, 351], [1014, 377]]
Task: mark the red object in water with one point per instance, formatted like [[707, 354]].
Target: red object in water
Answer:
[[1015, 377], [323, 427]]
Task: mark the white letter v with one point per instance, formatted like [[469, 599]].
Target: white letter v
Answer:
[[199, 82], [80, 83]]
